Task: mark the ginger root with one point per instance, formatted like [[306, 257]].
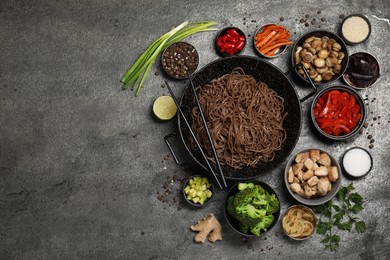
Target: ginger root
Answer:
[[206, 226]]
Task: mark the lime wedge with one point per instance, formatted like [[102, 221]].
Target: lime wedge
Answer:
[[164, 108]]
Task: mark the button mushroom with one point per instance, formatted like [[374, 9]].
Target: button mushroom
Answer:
[[307, 57], [323, 54], [318, 78], [336, 46], [322, 70], [327, 75], [331, 61], [313, 73], [319, 62]]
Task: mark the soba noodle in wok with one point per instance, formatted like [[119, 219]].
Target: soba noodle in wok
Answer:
[[245, 119]]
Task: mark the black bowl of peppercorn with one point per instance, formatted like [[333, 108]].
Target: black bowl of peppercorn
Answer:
[[180, 58]]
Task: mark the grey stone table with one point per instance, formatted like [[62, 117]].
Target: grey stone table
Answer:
[[83, 164]]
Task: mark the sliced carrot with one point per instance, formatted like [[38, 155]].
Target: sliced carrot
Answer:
[[277, 45], [278, 37], [266, 39], [271, 52]]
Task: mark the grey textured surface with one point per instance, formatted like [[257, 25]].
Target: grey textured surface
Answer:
[[81, 161]]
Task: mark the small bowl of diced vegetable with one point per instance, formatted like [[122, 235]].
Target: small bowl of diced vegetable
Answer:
[[252, 208], [230, 41], [198, 191], [338, 112]]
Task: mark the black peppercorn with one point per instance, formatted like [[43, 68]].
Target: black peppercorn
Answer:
[[180, 58]]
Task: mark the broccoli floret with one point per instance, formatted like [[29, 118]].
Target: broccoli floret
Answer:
[[243, 185], [251, 211], [273, 204], [260, 200], [262, 225], [244, 196], [231, 209]]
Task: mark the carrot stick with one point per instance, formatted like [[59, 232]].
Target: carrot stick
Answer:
[[266, 39], [265, 50], [278, 37], [271, 52]]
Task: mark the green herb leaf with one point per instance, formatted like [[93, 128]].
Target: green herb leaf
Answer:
[[357, 208], [360, 226], [339, 216], [325, 240], [350, 187], [322, 228], [345, 225], [341, 194], [337, 208], [356, 198]]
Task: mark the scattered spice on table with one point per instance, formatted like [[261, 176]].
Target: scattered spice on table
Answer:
[[170, 193]]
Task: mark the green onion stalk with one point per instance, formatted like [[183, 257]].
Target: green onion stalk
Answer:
[[137, 74]]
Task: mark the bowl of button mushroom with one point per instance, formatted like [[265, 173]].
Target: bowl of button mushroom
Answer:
[[312, 176], [323, 54]]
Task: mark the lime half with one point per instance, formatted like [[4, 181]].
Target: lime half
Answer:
[[164, 108]]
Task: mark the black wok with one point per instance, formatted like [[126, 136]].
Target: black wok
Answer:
[[262, 71]]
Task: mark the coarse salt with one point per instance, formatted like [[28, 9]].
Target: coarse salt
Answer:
[[355, 29]]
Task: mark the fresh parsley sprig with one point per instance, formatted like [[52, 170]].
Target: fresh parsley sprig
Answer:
[[340, 213]]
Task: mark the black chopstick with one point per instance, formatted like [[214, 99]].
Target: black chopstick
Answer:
[[193, 135], [207, 130]]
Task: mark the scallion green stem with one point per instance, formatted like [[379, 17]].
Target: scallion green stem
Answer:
[[138, 72]]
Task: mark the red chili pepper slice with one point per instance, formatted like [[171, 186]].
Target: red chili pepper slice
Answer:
[[240, 46], [233, 32]]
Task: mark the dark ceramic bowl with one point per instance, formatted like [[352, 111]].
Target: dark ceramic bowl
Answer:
[[314, 222], [362, 57], [321, 33], [221, 33], [281, 50], [182, 55], [363, 111], [356, 164], [233, 223], [313, 201], [343, 23], [190, 202]]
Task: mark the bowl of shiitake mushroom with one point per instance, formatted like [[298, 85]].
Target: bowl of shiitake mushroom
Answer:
[[323, 54]]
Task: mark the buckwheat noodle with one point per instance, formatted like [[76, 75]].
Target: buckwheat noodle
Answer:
[[245, 119]]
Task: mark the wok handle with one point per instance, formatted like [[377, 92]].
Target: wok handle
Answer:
[[166, 139], [310, 80]]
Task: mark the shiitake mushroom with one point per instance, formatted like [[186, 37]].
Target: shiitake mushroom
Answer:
[[321, 56]]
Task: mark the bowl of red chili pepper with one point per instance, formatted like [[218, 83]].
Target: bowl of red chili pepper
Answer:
[[230, 41], [338, 112]]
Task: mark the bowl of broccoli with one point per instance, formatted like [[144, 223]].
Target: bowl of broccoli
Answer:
[[252, 208]]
